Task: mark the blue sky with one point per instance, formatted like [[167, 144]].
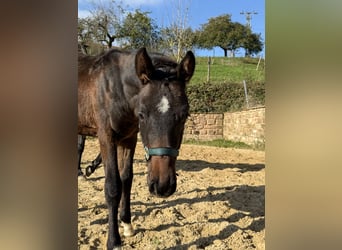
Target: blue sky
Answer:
[[199, 13]]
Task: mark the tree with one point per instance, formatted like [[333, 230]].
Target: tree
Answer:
[[87, 38], [215, 33], [229, 36], [102, 28], [84, 36], [139, 30], [177, 36], [177, 41], [106, 22], [252, 43], [235, 37], [109, 25]]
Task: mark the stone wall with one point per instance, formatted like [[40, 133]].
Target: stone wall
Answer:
[[245, 126], [204, 127]]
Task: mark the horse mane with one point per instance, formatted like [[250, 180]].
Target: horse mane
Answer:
[[162, 63]]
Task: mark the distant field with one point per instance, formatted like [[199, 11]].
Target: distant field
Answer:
[[232, 70]]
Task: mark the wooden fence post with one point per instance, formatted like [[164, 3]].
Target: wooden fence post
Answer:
[[245, 87], [208, 75]]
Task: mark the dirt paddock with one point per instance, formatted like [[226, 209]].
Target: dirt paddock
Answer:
[[219, 202]]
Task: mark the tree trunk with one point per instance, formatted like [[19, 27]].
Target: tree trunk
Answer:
[[225, 52]]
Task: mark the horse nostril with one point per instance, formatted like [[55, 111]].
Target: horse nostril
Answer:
[[159, 190], [153, 187]]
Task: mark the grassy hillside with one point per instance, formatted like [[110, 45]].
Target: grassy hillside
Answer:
[[225, 90], [228, 70]]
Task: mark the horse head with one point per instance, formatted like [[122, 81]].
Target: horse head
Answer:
[[162, 110]]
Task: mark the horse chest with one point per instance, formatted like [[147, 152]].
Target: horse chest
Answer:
[[124, 126]]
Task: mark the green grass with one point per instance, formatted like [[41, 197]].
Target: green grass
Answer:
[[219, 143], [232, 70]]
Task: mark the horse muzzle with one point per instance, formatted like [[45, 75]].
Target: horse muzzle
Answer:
[[165, 189], [161, 177]]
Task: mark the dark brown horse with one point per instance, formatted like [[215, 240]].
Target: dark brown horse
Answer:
[[120, 92]]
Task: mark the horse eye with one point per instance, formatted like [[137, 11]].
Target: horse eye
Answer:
[[141, 115]]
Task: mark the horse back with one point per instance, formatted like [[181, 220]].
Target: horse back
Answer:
[[105, 84]]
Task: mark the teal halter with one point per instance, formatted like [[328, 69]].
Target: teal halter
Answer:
[[160, 151]]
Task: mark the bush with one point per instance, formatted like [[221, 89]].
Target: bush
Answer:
[[224, 97]]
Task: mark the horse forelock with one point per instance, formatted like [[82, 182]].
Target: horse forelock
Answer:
[[169, 69], [163, 63]]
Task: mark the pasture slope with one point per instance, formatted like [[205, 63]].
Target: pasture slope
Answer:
[[219, 203]]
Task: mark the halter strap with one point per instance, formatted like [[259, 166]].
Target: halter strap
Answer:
[[160, 151]]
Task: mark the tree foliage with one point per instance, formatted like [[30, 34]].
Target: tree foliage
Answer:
[[252, 43], [214, 33], [139, 30], [229, 36], [102, 28], [235, 37]]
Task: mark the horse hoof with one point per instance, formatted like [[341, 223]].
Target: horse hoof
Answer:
[[88, 171], [128, 229]]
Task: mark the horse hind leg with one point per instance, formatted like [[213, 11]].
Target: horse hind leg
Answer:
[[80, 148], [94, 165]]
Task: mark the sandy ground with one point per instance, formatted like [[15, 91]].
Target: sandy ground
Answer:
[[219, 202]]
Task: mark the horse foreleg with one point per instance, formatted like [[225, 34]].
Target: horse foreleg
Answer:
[[125, 161], [80, 148], [112, 187]]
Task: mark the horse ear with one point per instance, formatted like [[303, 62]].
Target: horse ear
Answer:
[[186, 67], [143, 65]]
